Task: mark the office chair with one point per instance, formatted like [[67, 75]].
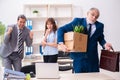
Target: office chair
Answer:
[[65, 65], [29, 69]]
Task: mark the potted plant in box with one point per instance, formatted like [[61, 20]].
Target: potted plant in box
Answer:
[[76, 41], [79, 29]]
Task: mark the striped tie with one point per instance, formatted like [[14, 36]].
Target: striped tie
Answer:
[[20, 42]]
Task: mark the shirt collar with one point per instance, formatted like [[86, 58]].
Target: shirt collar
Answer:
[[88, 22], [19, 28]]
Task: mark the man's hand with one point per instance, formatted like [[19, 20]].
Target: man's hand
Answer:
[[31, 34], [108, 46], [63, 47], [10, 29]]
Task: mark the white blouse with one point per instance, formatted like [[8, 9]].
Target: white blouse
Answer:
[[49, 50]]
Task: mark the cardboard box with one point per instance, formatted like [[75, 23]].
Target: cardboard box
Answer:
[[76, 42]]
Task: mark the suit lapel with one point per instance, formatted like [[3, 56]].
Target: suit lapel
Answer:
[[84, 23], [16, 32], [95, 30]]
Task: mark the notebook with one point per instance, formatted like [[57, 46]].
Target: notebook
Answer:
[[47, 70]]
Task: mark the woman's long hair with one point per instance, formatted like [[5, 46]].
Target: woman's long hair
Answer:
[[52, 21]]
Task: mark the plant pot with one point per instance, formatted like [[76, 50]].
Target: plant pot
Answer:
[[35, 14]]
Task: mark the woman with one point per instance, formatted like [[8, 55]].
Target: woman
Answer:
[[49, 42]]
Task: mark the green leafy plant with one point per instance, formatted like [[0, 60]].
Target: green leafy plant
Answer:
[[35, 11], [2, 31], [79, 28], [2, 28]]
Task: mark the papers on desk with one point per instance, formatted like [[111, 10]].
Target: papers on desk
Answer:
[[14, 75], [13, 72]]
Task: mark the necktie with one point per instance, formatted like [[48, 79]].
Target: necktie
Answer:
[[89, 30], [20, 42]]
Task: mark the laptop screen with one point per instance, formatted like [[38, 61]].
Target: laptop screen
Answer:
[[47, 70]]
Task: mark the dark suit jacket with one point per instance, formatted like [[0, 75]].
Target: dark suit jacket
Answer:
[[92, 50], [10, 41]]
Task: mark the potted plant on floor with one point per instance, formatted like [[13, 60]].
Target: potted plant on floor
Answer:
[[2, 31], [35, 12]]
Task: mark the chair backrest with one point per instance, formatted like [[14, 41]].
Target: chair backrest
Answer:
[[63, 66], [28, 69], [63, 55]]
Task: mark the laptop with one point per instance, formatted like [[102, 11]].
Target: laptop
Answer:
[[47, 70]]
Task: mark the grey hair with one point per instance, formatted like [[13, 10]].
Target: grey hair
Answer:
[[96, 9]]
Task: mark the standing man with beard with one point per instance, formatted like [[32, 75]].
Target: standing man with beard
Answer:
[[86, 61]]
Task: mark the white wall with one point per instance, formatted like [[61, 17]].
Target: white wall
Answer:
[[110, 10]]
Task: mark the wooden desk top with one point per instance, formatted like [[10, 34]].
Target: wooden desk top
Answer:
[[81, 76]]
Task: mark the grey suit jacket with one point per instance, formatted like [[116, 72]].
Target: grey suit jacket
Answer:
[[10, 42]]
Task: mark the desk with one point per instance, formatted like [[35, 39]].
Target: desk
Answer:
[[81, 76]]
